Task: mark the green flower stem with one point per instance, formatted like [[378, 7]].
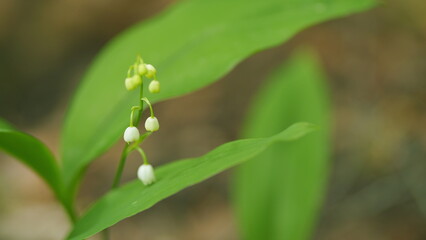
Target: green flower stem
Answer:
[[130, 70], [120, 167], [145, 161], [131, 114], [140, 60], [149, 105], [140, 105], [127, 149]]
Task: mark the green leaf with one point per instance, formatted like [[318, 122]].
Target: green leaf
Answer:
[[5, 125], [134, 197], [280, 198], [31, 152], [192, 44]]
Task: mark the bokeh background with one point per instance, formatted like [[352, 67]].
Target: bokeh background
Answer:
[[376, 64]]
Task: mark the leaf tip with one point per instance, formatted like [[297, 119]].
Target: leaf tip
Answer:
[[295, 131]]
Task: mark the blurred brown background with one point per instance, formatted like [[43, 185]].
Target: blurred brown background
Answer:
[[376, 63]]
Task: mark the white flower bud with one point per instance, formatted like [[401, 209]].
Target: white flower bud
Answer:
[[133, 82], [142, 69], [146, 174], [154, 86], [150, 71], [131, 134], [151, 124]]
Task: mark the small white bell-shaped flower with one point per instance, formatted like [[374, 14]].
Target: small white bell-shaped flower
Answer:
[[154, 86], [150, 70], [131, 134], [151, 124], [146, 174]]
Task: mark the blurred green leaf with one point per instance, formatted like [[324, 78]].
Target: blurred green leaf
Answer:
[[5, 125], [278, 194], [31, 152], [192, 44], [134, 197]]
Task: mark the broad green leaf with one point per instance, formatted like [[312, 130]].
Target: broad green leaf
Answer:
[[134, 197], [192, 44], [31, 152], [278, 194]]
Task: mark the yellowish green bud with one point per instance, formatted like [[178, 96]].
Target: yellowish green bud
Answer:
[[142, 69], [154, 86], [133, 82], [128, 83], [150, 70], [137, 80]]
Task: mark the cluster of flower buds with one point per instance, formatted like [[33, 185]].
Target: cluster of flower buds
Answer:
[[136, 73], [131, 135]]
